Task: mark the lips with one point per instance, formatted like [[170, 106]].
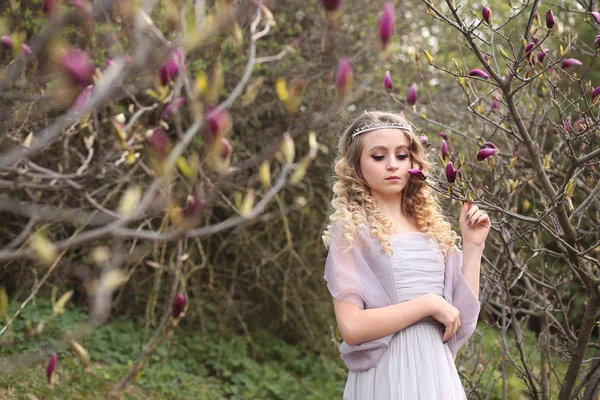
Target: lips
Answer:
[[392, 178]]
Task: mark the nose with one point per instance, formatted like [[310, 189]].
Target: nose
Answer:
[[392, 164]]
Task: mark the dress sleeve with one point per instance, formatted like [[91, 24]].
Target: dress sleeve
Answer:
[[464, 299], [345, 270]]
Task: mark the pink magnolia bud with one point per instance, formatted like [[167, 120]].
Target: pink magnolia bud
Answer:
[[595, 93], [48, 6], [596, 16], [344, 76], [387, 81], [479, 73], [542, 55], [219, 123], [597, 42], [109, 62], [331, 5], [489, 145], [486, 58], [172, 67], [550, 19], [158, 140], [424, 141], [485, 153], [194, 205], [83, 97], [78, 66], [443, 135], [486, 14], [450, 172], [386, 24], [570, 62], [51, 366], [172, 106], [7, 41], [444, 149], [26, 49], [225, 148], [411, 96], [417, 173], [567, 125], [178, 305], [495, 104]]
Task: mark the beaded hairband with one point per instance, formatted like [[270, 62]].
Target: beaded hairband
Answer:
[[381, 125]]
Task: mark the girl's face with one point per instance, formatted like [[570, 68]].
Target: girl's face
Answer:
[[385, 161]]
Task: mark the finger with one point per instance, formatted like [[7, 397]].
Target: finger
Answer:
[[473, 218], [447, 334], [465, 209], [472, 211]]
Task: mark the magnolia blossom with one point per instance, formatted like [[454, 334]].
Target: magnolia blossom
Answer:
[[344, 76], [450, 172], [479, 73], [26, 49], [444, 149], [158, 140], [443, 135], [550, 19], [495, 104], [225, 148], [219, 122], [595, 93], [172, 106], [331, 5], [51, 366], [485, 153], [411, 97], [542, 55], [570, 62], [172, 67], [424, 141], [596, 16], [78, 66], [387, 81], [417, 173], [486, 14], [193, 206], [83, 97], [386, 24], [178, 305], [489, 145], [7, 41], [597, 41]]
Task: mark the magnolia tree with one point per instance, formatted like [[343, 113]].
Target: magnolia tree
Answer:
[[115, 148], [131, 148], [528, 154]]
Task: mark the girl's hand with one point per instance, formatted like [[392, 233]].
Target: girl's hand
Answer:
[[447, 314], [474, 224]]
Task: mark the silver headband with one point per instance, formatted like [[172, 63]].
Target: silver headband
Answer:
[[381, 125]]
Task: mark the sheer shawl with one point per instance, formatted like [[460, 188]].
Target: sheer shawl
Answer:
[[361, 274]]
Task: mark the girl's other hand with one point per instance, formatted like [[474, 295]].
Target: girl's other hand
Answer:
[[446, 313]]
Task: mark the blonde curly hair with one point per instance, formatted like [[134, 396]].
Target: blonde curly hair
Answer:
[[354, 207]]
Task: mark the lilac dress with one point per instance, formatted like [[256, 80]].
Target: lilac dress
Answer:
[[414, 363]]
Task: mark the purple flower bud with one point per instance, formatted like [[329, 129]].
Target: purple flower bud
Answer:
[[596, 16], [48, 6], [424, 141], [479, 73], [344, 76], [83, 97], [331, 5], [529, 48], [485, 153], [172, 67], [450, 172], [387, 81], [570, 62], [486, 58], [51, 366], [78, 66], [219, 123], [542, 55], [444, 149], [26, 49], [172, 106], [595, 93], [486, 13], [489, 145], [158, 140], [417, 173], [567, 125], [550, 19], [194, 205], [109, 62], [443, 135], [178, 305], [495, 104], [597, 42], [7, 41], [386, 24], [411, 97], [225, 148]]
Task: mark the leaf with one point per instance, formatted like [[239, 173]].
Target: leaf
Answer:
[[3, 301], [59, 306]]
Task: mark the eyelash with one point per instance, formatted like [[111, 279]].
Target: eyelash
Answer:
[[401, 156]]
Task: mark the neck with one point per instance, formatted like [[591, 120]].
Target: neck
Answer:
[[390, 206]]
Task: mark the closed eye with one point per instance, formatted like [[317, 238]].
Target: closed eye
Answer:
[[399, 156]]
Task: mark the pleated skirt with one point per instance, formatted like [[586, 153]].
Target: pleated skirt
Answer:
[[416, 366]]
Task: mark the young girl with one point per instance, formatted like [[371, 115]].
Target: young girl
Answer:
[[405, 297]]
